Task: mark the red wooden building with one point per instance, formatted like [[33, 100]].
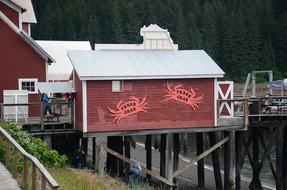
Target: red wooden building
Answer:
[[23, 62], [145, 89]]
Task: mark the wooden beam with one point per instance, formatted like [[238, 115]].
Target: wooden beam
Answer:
[[200, 163], [153, 174], [199, 157], [164, 131]]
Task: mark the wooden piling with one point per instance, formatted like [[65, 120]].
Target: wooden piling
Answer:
[[148, 143], [279, 158], [176, 150], [99, 156], [255, 183], [162, 154], [231, 184], [284, 167], [238, 153], [226, 162], [169, 160], [115, 166], [215, 161], [94, 152], [200, 163], [127, 148]]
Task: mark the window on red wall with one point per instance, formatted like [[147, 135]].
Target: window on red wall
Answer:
[[28, 84], [117, 86]]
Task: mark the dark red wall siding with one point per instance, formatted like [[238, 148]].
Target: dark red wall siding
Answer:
[[78, 104], [18, 60], [10, 13], [161, 113]]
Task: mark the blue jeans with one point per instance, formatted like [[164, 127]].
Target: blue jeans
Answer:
[[133, 174]]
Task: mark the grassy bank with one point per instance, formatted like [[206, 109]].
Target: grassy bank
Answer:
[[71, 179]]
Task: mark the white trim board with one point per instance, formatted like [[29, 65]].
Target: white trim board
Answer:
[[84, 99]]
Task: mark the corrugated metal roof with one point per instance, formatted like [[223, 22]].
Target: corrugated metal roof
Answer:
[[143, 64], [55, 87], [62, 66], [29, 15]]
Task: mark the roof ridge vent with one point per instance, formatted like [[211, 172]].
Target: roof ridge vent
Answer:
[[155, 37]]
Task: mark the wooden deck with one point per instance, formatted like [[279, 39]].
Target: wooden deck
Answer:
[[60, 121]]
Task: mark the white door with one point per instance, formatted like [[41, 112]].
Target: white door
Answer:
[[15, 113]]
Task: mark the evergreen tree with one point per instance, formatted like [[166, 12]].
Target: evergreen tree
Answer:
[[240, 36]]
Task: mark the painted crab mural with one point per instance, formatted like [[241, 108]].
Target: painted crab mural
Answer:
[[186, 96], [126, 108]]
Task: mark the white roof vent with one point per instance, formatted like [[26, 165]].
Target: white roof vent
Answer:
[[154, 37]]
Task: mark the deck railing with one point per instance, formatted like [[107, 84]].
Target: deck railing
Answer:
[[44, 177], [233, 109], [268, 106], [34, 113]]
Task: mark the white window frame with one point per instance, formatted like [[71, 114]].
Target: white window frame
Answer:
[[35, 80], [121, 86]]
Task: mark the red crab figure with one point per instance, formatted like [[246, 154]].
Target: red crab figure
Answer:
[[126, 108], [178, 93]]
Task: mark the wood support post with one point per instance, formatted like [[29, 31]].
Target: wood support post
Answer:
[[94, 152], [127, 148], [42, 115], [115, 166], [216, 163], [200, 163], [25, 173], [169, 161], [34, 176], [232, 160], [148, 142], [284, 167], [255, 183], [162, 154], [99, 156], [176, 150], [226, 162], [279, 158], [239, 159]]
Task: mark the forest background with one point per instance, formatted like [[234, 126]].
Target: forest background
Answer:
[[240, 35]]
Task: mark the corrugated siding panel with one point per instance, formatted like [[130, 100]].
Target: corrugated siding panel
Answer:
[[161, 114]]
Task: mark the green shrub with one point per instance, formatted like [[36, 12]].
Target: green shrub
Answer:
[[33, 146]]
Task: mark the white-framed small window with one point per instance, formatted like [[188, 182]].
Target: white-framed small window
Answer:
[[29, 84], [117, 86]]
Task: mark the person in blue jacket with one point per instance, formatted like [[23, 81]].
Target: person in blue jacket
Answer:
[[45, 99]]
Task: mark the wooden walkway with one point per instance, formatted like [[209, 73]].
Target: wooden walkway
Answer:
[[7, 182]]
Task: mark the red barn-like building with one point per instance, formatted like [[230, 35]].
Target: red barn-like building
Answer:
[[23, 62], [127, 89]]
